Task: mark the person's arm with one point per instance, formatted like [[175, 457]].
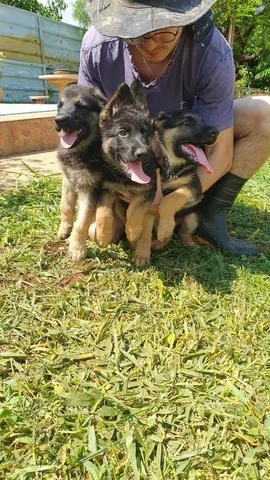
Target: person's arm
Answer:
[[215, 94], [220, 156]]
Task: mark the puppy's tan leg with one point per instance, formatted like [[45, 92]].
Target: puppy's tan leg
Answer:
[[156, 245], [77, 242], [189, 225], [105, 219], [168, 207], [67, 209], [120, 209], [135, 216], [143, 245]]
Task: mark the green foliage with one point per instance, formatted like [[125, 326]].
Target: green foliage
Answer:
[[240, 11], [80, 13], [246, 25], [53, 9]]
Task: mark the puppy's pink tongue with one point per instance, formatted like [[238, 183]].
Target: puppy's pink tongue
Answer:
[[69, 139], [199, 156], [137, 174]]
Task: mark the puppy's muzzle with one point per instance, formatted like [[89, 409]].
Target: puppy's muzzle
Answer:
[[140, 154], [62, 121]]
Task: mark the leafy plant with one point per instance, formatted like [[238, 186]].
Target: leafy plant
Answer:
[[80, 13], [245, 24], [53, 9]]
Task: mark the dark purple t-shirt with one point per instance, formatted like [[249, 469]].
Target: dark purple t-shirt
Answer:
[[200, 74]]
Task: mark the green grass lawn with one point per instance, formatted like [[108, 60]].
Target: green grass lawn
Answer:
[[111, 372]]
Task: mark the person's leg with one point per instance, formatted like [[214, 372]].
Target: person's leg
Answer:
[[251, 150], [252, 135]]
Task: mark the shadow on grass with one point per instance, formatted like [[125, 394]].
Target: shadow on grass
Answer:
[[17, 199], [216, 270]]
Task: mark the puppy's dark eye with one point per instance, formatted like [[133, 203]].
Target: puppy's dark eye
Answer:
[[188, 121], [122, 133], [60, 104]]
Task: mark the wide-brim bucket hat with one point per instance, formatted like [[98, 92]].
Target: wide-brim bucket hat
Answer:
[[130, 19]]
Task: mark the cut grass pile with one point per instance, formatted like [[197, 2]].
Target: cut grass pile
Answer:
[[111, 372]]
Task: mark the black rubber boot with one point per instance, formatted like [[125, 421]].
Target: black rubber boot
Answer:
[[212, 213]]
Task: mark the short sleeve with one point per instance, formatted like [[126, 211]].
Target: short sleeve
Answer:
[[215, 92], [89, 61]]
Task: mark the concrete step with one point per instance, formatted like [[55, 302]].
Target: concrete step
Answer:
[[17, 170]]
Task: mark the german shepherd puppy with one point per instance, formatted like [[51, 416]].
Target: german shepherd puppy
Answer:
[[181, 133], [80, 158], [130, 165]]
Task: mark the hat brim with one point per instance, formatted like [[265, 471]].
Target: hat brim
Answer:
[[129, 19]]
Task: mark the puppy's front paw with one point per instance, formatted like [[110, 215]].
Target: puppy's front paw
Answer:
[[142, 254], [77, 251], [141, 261], [104, 236], [133, 232], [165, 231], [104, 241], [64, 231]]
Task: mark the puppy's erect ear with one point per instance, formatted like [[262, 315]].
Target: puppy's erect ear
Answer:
[[139, 95], [101, 99], [120, 99], [60, 102], [161, 116]]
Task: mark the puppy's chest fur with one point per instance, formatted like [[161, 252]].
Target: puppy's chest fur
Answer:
[[83, 168], [117, 182], [126, 187]]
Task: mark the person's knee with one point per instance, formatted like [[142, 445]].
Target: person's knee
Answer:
[[260, 133], [251, 114]]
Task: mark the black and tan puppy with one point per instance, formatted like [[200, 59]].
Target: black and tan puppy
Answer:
[[182, 134], [80, 158], [130, 167]]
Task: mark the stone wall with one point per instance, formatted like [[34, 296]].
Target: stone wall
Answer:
[[27, 133]]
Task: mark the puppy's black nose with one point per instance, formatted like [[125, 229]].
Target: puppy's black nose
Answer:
[[140, 154], [213, 132], [61, 120]]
